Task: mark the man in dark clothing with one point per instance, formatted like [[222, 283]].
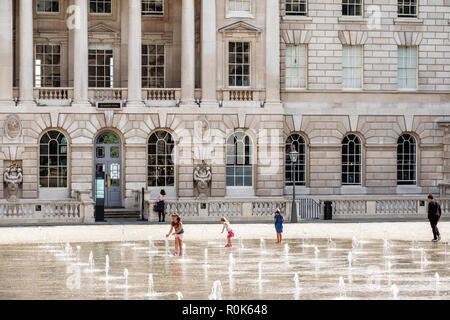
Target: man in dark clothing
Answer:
[[434, 213]]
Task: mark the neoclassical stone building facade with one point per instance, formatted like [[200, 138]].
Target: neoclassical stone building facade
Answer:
[[145, 90]]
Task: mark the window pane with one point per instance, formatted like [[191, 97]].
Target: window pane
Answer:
[[296, 66], [407, 67], [53, 160], [160, 162], [352, 67], [297, 142], [296, 7], [351, 160], [239, 162], [239, 64]]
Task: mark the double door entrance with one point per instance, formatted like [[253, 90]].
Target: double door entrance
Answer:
[[108, 158]]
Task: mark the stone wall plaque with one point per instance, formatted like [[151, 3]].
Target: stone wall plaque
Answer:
[[13, 127]]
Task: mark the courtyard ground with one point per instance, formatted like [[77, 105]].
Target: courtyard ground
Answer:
[[135, 231]]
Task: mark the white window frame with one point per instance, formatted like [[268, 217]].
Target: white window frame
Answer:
[[416, 48], [347, 2], [149, 66], [405, 182], [298, 164], [348, 163], [239, 13], [228, 64], [165, 165], [103, 47], [101, 13], [38, 66], [299, 13], [244, 155], [409, 16], [352, 66], [49, 12], [296, 49], [48, 155], [149, 13]]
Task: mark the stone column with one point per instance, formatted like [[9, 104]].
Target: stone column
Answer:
[[6, 52], [26, 52], [209, 54], [272, 52], [134, 54], [81, 55], [187, 52]]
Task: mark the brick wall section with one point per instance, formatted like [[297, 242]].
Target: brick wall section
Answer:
[[269, 177], [2, 169], [446, 156], [380, 49], [82, 163], [135, 167], [325, 169], [30, 179], [381, 169]]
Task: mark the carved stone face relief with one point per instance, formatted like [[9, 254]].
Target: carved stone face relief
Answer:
[[13, 127]]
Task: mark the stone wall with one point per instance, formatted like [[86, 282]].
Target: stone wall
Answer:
[[325, 31], [379, 135]]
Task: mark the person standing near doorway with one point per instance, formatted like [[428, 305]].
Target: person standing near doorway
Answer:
[[434, 214], [160, 206]]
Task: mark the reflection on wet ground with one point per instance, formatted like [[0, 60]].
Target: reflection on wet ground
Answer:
[[252, 269]]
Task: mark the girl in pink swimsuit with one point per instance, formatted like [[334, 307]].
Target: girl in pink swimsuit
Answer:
[[226, 226], [177, 227]]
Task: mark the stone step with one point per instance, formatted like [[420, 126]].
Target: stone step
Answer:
[[121, 213]]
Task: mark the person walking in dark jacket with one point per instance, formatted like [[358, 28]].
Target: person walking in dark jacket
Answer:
[[434, 214]]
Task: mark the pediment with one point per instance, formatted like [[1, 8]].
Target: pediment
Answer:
[[240, 26], [102, 28]]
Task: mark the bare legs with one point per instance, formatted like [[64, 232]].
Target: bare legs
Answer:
[[279, 237]]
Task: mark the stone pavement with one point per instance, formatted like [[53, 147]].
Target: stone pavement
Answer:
[[406, 230]]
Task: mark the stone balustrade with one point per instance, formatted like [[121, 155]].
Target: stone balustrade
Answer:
[[108, 94], [46, 212], [349, 207], [53, 93], [242, 95], [383, 208], [161, 94], [307, 209], [213, 210]]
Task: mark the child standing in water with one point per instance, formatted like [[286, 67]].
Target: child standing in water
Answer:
[[226, 225], [178, 233], [278, 221]]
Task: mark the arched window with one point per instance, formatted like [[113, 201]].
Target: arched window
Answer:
[[351, 160], [239, 160], [161, 167], [295, 141], [406, 160], [53, 160]]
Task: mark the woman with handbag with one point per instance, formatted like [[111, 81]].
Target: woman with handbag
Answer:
[[160, 206]]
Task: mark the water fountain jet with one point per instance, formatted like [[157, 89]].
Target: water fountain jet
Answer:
[[350, 259], [342, 290], [216, 291], [151, 289], [394, 291]]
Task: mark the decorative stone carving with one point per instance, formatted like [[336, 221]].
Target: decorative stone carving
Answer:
[[408, 38], [202, 179], [13, 127], [13, 177], [296, 36], [352, 37]]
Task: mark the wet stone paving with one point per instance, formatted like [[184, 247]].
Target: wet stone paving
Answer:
[[251, 269]]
